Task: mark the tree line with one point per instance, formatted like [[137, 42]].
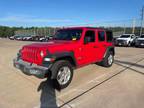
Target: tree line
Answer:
[[6, 31]]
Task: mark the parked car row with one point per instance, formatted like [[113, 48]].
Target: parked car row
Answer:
[[130, 40], [30, 38], [140, 41]]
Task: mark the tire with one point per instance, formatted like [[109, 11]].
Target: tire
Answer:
[[108, 60], [62, 69], [129, 44]]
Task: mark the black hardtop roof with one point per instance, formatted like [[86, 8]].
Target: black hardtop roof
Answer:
[[101, 28]]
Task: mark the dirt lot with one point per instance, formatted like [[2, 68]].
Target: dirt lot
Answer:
[[121, 86]]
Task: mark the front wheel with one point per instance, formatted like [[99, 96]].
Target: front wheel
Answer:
[[64, 74]]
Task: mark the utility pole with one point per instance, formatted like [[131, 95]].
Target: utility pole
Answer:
[[34, 30], [49, 32], [133, 30], [45, 33], [124, 29], [142, 20]]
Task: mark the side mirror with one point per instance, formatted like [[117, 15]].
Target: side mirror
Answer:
[[87, 40]]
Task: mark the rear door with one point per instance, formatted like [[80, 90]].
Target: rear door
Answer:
[[101, 44]]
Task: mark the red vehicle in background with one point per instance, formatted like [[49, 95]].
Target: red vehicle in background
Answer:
[[70, 48]]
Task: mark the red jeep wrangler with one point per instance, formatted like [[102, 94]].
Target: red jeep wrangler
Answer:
[[70, 48]]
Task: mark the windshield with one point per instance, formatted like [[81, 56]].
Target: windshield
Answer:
[[125, 36], [26, 36], [142, 36], [16, 36], [69, 34]]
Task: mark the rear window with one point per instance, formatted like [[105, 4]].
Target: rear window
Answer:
[[109, 36]]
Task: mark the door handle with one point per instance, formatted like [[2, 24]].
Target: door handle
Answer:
[[104, 45], [95, 47]]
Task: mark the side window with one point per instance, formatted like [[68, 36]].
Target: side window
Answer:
[[101, 36], [109, 36], [90, 36]]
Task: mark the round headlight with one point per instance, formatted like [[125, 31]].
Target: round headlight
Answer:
[[41, 53]]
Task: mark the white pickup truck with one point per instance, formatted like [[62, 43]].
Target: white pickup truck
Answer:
[[140, 41], [125, 40]]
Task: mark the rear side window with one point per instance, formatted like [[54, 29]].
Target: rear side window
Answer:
[[109, 36], [101, 36]]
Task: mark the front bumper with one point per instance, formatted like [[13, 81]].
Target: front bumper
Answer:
[[31, 69], [122, 44], [139, 45]]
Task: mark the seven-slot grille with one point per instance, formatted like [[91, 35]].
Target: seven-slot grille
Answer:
[[31, 54]]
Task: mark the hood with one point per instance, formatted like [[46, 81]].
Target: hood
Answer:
[[140, 38], [54, 45], [42, 38], [27, 37], [19, 38], [123, 39], [51, 43]]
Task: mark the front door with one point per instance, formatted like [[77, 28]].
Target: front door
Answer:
[[89, 48]]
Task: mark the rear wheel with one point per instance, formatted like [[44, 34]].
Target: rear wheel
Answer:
[[108, 60], [64, 74]]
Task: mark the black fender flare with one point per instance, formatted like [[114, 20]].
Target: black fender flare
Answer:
[[60, 56], [111, 48]]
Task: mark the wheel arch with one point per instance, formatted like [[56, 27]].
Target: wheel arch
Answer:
[[110, 49], [67, 56]]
